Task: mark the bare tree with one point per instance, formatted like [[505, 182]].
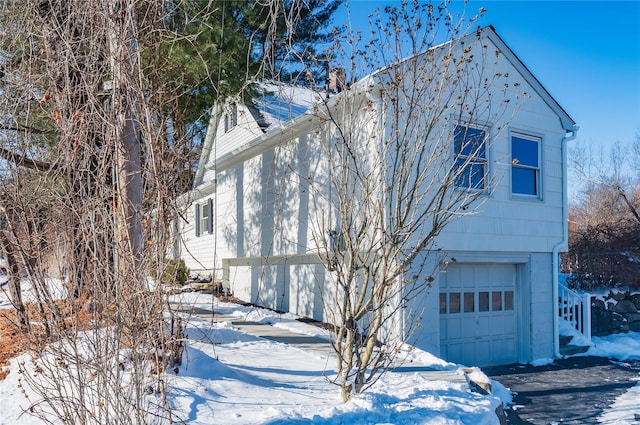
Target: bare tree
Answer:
[[617, 171], [85, 140], [604, 219], [405, 155]]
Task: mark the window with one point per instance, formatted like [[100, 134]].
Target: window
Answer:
[[483, 301], [496, 301], [469, 145], [231, 118], [525, 165], [469, 306], [204, 217], [508, 300], [443, 302], [454, 302]]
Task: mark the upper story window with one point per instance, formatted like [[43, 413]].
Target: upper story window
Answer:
[[231, 118], [525, 165], [470, 153]]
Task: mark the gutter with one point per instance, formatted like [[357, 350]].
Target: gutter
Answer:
[[564, 243], [212, 130]]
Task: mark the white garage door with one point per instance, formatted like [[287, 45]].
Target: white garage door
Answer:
[[477, 314]]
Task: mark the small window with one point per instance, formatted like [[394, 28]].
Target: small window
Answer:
[[204, 217], [496, 301], [508, 300], [483, 301], [443, 302], [454, 302], [469, 305], [231, 118], [525, 165], [469, 145]]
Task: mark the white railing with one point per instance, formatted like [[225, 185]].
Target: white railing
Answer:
[[575, 309]]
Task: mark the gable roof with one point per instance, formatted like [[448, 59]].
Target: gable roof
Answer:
[[277, 106], [283, 106]]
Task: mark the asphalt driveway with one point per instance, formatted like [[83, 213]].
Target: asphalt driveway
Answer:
[[570, 391]]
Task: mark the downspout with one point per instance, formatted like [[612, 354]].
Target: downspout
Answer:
[[563, 244]]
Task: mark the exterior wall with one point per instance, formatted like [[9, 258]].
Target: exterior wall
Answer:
[[245, 130], [542, 307], [261, 207], [504, 222], [296, 284]]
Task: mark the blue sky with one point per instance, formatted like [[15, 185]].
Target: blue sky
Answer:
[[585, 53]]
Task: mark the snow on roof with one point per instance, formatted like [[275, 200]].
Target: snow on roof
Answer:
[[281, 102]]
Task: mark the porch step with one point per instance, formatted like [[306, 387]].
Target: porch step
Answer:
[[572, 350], [565, 339], [568, 349]]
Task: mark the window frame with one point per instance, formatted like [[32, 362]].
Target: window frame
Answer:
[[516, 165], [231, 118], [203, 220], [471, 160]]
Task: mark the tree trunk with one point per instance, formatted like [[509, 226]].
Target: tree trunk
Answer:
[[122, 49], [15, 290]]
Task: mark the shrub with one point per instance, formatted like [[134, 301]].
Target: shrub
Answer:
[[174, 272]]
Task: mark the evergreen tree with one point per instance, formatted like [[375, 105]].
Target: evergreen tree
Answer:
[[207, 51]]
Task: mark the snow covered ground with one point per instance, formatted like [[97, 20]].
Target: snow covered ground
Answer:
[[230, 377]]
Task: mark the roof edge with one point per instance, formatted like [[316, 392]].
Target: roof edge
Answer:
[[565, 119]]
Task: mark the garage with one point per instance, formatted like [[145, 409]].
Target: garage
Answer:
[[478, 314]]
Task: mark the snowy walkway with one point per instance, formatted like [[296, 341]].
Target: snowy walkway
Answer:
[[315, 344]]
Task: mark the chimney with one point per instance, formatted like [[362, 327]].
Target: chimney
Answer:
[[337, 80]]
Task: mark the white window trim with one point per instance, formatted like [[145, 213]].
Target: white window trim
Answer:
[[204, 223], [523, 134], [204, 217], [487, 152], [231, 118]]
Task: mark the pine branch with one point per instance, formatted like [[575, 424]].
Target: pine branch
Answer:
[[23, 161], [26, 128]]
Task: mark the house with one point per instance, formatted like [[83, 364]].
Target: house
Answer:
[[261, 194]]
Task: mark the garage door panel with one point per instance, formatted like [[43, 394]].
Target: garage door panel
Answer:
[[509, 325], [455, 352], [478, 320], [455, 328], [483, 352], [483, 326]]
